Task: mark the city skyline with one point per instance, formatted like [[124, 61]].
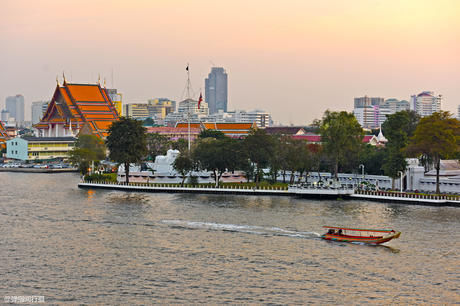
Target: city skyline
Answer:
[[294, 60]]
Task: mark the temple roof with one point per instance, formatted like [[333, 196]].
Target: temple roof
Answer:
[[3, 135], [80, 104]]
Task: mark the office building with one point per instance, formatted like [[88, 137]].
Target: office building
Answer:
[[138, 111], [368, 101], [161, 107], [38, 110], [117, 100], [39, 148], [396, 105], [426, 103], [15, 106], [216, 90]]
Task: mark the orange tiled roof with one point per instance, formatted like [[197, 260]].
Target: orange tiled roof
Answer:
[[79, 104], [84, 92], [185, 125], [234, 126]]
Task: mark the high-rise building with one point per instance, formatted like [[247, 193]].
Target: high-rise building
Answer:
[[368, 101], [5, 115], [458, 113], [15, 106], [396, 105], [216, 90], [370, 111], [426, 103], [38, 109]]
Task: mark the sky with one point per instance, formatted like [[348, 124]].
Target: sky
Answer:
[[293, 58]]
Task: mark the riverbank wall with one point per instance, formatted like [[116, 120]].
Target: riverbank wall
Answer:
[[345, 194], [38, 170]]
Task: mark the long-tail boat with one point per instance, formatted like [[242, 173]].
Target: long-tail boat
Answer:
[[371, 236]]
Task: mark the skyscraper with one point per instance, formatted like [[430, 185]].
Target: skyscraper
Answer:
[[38, 109], [15, 106], [216, 90], [426, 103]]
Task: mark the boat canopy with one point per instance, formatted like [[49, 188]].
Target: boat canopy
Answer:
[[360, 229]]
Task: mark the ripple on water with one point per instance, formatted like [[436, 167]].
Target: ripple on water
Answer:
[[102, 247]]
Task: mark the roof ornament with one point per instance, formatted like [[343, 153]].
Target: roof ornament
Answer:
[[63, 76], [104, 83], [57, 80], [99, 79]]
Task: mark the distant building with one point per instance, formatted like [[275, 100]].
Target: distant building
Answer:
[[175, 133], [368, 101], [78, 109], [370, 111], [426, 103], [161, 107], [38, 109], [15, 106], [5, 115], [233, 130], [458, 113], [396, 105], [138, 111], [216, 90], [117, 100], [261, 118], [39, 148]]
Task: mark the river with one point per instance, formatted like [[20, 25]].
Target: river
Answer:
[[86, 246]]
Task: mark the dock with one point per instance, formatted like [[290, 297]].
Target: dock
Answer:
[[345, 193]]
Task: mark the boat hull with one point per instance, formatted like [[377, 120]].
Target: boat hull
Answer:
[[361, 239]]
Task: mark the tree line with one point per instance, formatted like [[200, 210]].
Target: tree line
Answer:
[[341, 149]]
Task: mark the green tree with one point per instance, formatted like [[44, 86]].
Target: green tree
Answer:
[[216, 155], [397, 128], [211, 134], [127, 142], [259, 147], [372, 158], [148, 122], [436, 136], [183, 164], [180, 144], [157, 145], [87, 148], [341, 136]]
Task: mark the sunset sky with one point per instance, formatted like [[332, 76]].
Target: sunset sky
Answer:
[[292, 58]]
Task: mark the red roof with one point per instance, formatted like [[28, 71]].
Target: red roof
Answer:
[[309, 138]]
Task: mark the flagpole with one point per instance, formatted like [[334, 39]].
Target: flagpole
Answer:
[[188, 98]]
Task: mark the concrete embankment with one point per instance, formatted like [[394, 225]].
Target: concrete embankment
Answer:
[[404, 198], [38, 170], [177, 189]]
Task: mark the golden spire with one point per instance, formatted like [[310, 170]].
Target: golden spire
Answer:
[[99, 79], [104, 83]]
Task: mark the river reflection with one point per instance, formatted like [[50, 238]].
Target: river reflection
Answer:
[[98, 246]]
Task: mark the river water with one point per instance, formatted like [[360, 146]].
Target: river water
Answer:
[[74, 245]]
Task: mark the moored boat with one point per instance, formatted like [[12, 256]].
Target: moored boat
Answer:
[[370, 236]]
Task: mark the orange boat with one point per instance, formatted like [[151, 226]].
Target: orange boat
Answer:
[[371, 236]]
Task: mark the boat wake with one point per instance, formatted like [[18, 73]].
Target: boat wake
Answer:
[[249, 229]]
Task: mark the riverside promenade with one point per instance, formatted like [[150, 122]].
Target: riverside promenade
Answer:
[[319, 193]]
